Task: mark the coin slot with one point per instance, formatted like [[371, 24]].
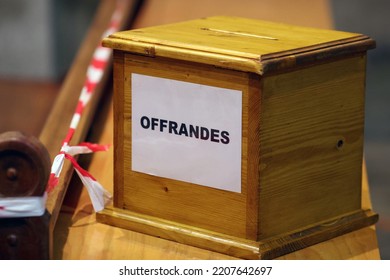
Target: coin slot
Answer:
[[239, 33]]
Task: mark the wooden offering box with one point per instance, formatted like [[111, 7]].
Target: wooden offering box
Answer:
[[239, 136]]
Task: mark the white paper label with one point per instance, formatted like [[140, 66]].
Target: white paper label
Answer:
[[186, 131]]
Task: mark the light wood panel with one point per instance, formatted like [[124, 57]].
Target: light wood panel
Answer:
[[301, 12], [199, 206], [311, 145], [239, 43], [77, 219], [79, 236]]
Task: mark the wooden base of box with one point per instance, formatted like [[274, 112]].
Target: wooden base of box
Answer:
[[241, 248]]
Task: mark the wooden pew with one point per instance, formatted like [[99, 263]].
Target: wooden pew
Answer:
[[57, 123]]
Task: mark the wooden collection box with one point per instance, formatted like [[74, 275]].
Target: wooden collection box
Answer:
[[238, 135]]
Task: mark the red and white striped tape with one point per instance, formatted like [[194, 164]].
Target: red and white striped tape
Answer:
[[99, 196], [17, 207], [35, 206]]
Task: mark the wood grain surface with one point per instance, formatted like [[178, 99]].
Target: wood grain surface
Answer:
[[77, 234], [239, 43], [58, 121], [304, 176], [208, 208]]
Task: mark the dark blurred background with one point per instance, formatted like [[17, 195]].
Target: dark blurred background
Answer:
[[39, 39], [373, 18]]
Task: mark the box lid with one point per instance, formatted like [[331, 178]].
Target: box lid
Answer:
[[240, 43]]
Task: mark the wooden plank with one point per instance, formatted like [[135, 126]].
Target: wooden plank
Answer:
[[302, 121], [240, 43], [255, 38], [299, 12], [58, 121], [238, 247], [210, 208], [193, 236], [16, 98]]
